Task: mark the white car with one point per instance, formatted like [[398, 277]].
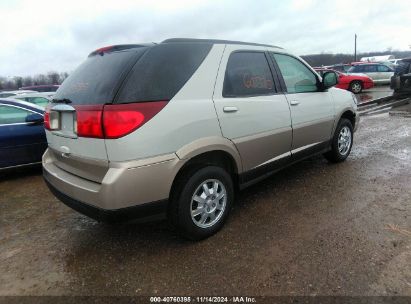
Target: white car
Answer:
[[379, 73], [40, 99], [175, 128], [11, 94]]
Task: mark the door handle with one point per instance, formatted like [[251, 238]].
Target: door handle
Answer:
[[230, 109], [294, 102]]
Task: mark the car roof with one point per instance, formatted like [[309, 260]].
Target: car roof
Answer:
[[121, 47], [214, 41], [38, 94], [368, 63], [39, 86], [22, 103], [19, 91]]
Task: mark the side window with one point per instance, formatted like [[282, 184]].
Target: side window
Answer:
[[358, 68], [11, 115], [247, 74], [370, 68], [383, 68], [297, 77]]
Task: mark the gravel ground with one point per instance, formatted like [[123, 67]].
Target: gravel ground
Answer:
[[312, 229]]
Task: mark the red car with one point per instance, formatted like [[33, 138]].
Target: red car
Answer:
[[353, 83]]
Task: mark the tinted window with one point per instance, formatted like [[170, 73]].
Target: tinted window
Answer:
[[355, 69], [369, 68], [162, 71], [10, 115], [247, 74], [297, 76], [383, 68], [96, 80]]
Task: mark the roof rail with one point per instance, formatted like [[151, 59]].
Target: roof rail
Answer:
[[214, 41]]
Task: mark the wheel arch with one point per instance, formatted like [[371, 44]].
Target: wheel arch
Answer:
[[201, 152], [348, 113]]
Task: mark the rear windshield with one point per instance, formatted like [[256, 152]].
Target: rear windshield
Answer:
[[162, 71], [97, 79]]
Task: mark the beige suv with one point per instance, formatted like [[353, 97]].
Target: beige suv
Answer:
[[176, 128]]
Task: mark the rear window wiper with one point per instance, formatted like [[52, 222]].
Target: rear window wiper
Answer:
[[65, 100]]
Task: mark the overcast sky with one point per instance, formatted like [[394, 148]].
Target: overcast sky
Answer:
[[40, 36]]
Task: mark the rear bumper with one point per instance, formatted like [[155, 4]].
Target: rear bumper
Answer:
[[153, 210], [125, 185]]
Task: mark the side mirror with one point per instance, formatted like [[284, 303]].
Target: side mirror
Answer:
[[330, 79], [35, 119]]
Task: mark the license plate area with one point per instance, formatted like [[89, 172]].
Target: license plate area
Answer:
[[63, 124]]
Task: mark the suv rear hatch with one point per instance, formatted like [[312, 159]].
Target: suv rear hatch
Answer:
[[114, 92], [72, 119]]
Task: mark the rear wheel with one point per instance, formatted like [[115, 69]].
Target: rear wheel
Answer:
[[202, 203], [341, 143], [355, 87]]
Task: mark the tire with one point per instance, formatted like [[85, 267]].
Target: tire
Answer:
[[356, 87], [190, 195], [342, 142]]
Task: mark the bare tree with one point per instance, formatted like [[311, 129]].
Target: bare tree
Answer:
[[53, 77], [27, 81], [18, 81]]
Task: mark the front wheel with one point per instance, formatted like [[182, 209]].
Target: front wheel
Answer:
[[203, 205], [342, 142], [356, 87]]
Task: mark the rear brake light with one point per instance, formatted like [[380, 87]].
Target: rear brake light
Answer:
[[88, 120], [114, 121], [122, 119], [47, 119]]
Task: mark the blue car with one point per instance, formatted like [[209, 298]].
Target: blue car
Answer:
[[22, 137]]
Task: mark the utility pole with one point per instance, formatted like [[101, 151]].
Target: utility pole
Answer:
[[355, 48]]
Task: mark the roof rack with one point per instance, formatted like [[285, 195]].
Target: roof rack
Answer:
[[214, 41]]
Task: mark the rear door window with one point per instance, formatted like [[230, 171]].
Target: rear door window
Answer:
[[297, 76], [248, 74], [97, 79], [12, 115], [370, 68]]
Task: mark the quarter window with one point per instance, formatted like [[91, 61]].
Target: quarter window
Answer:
[[11, 115], [383, 68], [248, 74], [297, 77]]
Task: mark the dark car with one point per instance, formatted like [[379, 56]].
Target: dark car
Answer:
[[401, 81], [42, 88], [342, 67], [22, 136]]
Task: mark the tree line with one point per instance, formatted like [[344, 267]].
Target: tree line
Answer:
[[16, 82], [330, 59]]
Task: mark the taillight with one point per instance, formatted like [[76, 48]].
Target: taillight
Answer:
[[89, 121], [122, 119], [47, 118], [114, 121]]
